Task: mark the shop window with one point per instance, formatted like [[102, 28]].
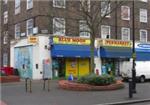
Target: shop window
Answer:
[[58, 26], [105, 8], [59, 3], [17, 30], [29, 4], [17, 6], [125, 13], [143, 35], [143, 15], [125, 32], [84, 29], [105, 32], [30, 27]]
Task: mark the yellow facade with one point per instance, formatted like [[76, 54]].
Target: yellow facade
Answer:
[[71, 67], [77, 67], [84, 67]]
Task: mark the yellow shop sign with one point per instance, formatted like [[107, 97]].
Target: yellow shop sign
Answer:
[[114, 43], [70, 40], [33, 39]]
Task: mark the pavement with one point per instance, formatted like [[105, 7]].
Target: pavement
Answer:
[[15, 94]]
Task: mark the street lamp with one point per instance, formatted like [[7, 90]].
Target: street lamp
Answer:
[[132, 81]]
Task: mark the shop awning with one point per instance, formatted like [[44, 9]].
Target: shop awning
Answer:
[[60, 50], [116, 52]]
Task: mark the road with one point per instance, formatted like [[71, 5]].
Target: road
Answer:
[[14, 94]]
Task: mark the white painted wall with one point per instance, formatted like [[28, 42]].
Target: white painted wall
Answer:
[[97, 61], [39, 54]]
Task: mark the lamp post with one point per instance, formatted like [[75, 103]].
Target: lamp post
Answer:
[[133, 55], [132, 81]]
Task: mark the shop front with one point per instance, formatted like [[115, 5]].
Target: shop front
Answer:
[[70, 56], [112, 53], [28, 55]]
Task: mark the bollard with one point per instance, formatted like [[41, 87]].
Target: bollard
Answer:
[[48, 84], [28, 85], [130, 88], [44, 84]]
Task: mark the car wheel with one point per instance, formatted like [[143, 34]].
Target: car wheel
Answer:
[[142, 79]]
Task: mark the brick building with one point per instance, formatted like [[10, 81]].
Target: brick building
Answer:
[[0, 30], [20, 17]]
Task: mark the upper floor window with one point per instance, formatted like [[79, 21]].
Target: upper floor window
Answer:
[[5, 1], [143, 35], [29, 4], [143, 15], [17, 6], [125, 32], [125, 13], [143, 0], [105, 32], [5, 17], [17, 30], [59, 3], [30, 27], [58, 26], [5, 59], [105, 9], [84, 29], [85, 5], [5, 38]]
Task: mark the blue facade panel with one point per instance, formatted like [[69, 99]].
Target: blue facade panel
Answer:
[[142, 54], [59, 50]]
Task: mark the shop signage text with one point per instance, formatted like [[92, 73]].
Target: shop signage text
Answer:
[[115, 43], [70, 40], [33, 40], [146, 46]]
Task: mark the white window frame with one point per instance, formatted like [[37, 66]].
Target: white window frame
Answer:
[[5, 1], [56, 3], [29, 27], [5, 38], [5, 59], [125, 33], [5, 17], [86, 4], [103, 35], [29, 4], [143, 40], [123, 12], [143, 15], [143, 0], [17, 6], [59, 26], [105, 8], [84, 30], [17, 31]]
